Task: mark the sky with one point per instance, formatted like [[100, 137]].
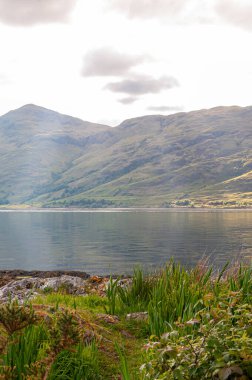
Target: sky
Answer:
[[109, 60]]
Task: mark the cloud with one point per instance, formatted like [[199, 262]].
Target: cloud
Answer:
[[149, 8], [109, 62], [128, 100], [141, 84], [236, 12], [165, 108], [31, 12]]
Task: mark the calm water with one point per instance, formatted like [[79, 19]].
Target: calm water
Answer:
[[114, 242]]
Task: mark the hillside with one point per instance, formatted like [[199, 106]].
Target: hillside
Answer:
[[37, 145], [200, 157]]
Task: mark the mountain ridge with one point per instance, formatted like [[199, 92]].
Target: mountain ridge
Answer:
[[194, 158]]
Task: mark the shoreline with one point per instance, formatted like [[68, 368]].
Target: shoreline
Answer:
[[11, 275], [126, 209], [20, 273]]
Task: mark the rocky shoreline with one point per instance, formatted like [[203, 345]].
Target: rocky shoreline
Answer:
[[24, 285], [14, 274]]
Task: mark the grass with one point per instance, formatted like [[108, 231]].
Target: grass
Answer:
[[79, 364], [62, 336], [90, 302]]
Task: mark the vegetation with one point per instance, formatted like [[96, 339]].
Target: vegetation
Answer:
[[198, 326]]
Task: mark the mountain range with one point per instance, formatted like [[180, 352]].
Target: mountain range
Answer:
[[186, 159]]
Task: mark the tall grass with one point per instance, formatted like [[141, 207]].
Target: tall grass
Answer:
[[79, 364], [136, 296], [132, 297], [176, 294], [240, 280], [124, 368], [25, 349]]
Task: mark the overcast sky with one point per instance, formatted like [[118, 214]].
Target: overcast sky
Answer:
[[108, 60]]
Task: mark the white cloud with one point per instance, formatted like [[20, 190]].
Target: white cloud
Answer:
[[128, 100], [238, 13], [106, 61], [31, 12], [235, 12], [142, 84]]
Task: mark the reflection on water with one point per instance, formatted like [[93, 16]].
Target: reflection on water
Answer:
[[114, 242]]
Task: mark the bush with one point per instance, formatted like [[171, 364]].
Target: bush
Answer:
[[205, 346]]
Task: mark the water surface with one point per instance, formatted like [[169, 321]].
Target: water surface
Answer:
[[114, 242]]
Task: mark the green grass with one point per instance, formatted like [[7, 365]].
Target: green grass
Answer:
[[23, 350], [79, 364], [91, 302], [176, 294], [199, 322]]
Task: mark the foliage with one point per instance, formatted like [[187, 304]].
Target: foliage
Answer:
[[79, 364], [15, 317], [199, 348], [136, 295], [65, 330], [123, 363], [200, 324], [130, 297], [91, 301], [63, 343], [24, 350], [112, 293]]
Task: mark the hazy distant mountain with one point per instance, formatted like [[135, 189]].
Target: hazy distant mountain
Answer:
[[36, 146], [55, 160]]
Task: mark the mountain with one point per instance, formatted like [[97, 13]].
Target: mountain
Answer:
[[200, 157], [36, 146]]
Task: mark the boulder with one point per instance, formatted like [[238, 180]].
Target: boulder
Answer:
[[70, 284], [21, 289], [27, 288]]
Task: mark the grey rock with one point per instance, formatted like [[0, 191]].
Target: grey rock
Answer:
[[140, 316], [28, 288], [21, 289], [72, 285]]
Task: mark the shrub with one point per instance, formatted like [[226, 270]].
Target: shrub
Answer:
[[200, 348], [15, 317]]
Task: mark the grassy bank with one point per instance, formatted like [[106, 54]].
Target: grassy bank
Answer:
[[196, 325]]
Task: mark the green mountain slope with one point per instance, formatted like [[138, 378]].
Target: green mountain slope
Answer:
[[36, 145], [200, 157]]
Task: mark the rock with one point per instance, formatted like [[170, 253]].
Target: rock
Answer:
[[140, 316], [70, 284], [13, 274], [21, 290], [27, 288]]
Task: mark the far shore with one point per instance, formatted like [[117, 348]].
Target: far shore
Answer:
[[124, 209]]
